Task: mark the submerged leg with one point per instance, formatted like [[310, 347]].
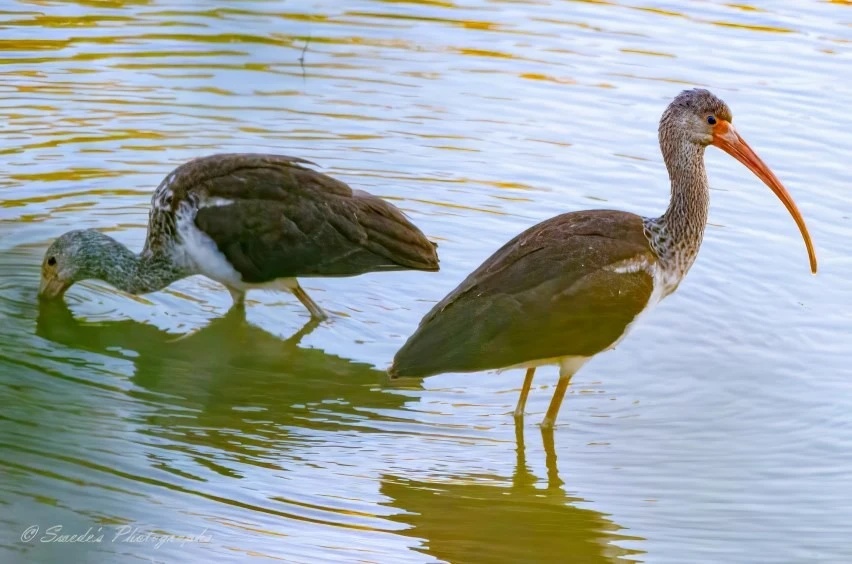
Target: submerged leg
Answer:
[[316, 311], [525, 391], [567, 368], [238, 296]]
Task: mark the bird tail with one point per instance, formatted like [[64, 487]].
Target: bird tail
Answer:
[[433, 350], [413, 359]]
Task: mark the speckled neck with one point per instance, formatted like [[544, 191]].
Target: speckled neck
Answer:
[[151, 273], [117, 265], [676, 235]]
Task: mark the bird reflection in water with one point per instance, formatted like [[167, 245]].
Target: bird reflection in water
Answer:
[[227, 369], [205, 387], [481, 522]]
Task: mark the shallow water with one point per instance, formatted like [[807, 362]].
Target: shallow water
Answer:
[[719, 431]]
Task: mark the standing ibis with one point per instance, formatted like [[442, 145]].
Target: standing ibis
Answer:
[[246, 221], [572, 286]]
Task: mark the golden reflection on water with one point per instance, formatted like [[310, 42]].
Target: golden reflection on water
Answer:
[[478, 119]]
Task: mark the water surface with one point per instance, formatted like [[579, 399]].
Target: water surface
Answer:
[[719, 431]]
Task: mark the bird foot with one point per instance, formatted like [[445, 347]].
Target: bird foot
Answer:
[[547, 424], [238, 296], [319, 316]]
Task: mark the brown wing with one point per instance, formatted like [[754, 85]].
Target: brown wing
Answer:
[[567, 286], [272, 218]]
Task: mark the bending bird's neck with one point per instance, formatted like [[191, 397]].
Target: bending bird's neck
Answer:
[[137, 274]]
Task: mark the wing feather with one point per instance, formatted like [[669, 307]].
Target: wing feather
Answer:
[[275, 218], [547, 293]]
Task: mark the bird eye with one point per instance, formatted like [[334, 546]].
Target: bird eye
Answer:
[[711, 120], [51, 261]]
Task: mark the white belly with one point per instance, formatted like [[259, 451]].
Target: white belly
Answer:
[[569, 364], [200, 253]]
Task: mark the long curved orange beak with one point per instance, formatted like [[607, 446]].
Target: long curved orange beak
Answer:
[[726, 138]]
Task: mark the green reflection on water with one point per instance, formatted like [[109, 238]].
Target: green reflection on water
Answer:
[[478, 118]]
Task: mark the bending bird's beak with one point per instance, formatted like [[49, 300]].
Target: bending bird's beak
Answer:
[[51, 288], [726, 138]]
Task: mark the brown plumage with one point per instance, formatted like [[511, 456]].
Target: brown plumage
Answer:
[[287, 220], [248, 221], [521, 304], [572, 286]]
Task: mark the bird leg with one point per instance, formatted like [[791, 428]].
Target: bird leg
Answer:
[[556, 402], [238, 296], [315, 310], [525, 391]]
